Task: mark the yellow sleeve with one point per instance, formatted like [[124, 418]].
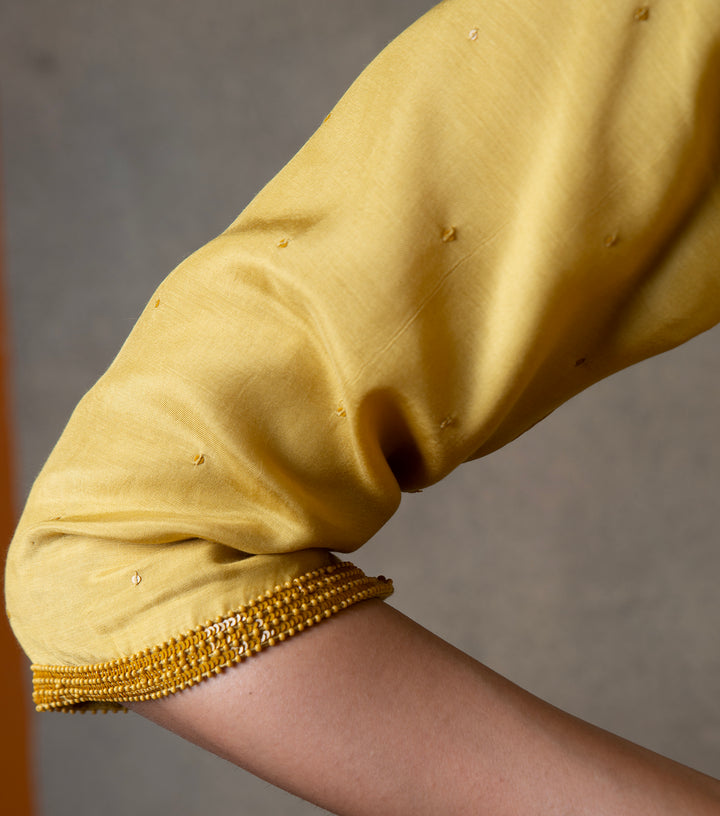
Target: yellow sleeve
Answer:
[[513, 201]]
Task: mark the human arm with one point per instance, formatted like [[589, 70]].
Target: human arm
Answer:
[[443, 345], [369, 713]]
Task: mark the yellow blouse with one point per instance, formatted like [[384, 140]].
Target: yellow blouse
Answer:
[[513, 201]]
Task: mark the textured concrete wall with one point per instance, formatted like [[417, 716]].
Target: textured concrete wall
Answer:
[[582, 561]]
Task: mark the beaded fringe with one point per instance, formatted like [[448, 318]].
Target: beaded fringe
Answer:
[[206, 650]]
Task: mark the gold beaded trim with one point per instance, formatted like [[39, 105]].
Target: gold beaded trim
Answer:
[[206, 650]]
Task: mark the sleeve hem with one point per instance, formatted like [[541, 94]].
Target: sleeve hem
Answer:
[[208, 649]]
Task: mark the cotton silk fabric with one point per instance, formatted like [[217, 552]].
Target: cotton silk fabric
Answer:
[[513, 201]]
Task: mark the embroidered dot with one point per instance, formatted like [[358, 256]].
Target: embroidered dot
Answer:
[[450, 234], [327, 117], [157, 303], [283, 242], [611, 240], [474, 34], [198, 459], [447, 422], [642, 13], [136, 578], [341, 412]]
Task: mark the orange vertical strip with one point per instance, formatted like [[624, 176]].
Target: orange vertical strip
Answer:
[[14, 743]]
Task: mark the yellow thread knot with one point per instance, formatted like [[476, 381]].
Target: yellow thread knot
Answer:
[[611, 240]]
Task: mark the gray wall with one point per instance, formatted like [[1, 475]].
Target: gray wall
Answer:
[[581, 561]]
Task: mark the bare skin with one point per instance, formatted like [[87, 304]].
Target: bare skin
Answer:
[[368, 713]]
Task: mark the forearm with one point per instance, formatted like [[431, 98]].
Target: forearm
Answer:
[[369, 713]]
